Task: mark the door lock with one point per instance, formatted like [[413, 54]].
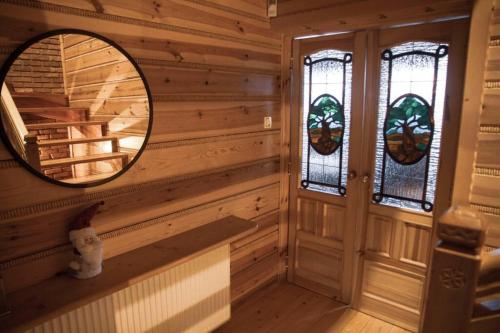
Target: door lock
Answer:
[[352, 175]]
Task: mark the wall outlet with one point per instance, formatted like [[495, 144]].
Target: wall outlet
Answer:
[[268, 122]]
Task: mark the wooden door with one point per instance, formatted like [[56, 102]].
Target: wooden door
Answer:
[[326, 124], [362, 221], [413, 103]]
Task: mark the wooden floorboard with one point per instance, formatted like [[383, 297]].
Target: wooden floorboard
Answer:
[[283, 307]]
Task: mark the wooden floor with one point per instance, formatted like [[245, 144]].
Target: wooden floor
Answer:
[[283, 307]]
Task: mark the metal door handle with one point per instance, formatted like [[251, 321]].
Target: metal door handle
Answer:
[[366, 178], [352, 175]]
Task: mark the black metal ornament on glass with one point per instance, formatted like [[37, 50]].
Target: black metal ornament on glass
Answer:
[[409, 127], [326, 122]]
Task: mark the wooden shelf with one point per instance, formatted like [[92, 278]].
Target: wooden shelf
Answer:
[[53, 297]]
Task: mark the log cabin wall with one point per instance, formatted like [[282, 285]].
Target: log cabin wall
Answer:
[[214, 71]]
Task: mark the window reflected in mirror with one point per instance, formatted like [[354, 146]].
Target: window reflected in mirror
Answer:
[[75, 108]]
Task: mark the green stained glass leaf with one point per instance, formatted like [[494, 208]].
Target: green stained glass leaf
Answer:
[[408, 129], [326, 124]]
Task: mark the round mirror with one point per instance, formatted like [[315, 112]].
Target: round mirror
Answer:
[[76, 109]]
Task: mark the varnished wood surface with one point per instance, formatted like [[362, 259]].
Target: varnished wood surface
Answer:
[[60, 294], [82, 159], [305, 17], [482, 140], [287, 308], [214, 70]]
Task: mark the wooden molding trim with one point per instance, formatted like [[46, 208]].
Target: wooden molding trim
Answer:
[[7, 50], [229, 9], [487, 172], [487, 209], [7, 164], [187, 211], [131, 228], [102, 195], [208, 67], [219, 138], [35, 256], [134, 21], [216, 98], [493, 128], [176, 64], [492, 84], [495, 41]]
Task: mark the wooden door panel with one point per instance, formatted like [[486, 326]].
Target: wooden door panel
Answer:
[[392, 293], [415, 244], [319, 246], [318, 267], [380, 235], [321, 219], [401, 237]]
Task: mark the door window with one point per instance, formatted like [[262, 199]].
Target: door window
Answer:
[[409, 124], [326, 120]]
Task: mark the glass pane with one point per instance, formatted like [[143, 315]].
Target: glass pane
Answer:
[[326, 121], [410, 117]]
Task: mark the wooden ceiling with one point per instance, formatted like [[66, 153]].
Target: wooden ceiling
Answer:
[[309, 17]]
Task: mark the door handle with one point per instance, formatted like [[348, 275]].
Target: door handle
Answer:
[[366, 178], [352, 175]]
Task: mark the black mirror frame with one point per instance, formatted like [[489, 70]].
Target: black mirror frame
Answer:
[[19, 50]]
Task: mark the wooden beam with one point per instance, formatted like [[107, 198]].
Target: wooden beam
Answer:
[[316, 17]]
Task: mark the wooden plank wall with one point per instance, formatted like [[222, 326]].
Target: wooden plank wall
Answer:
[[101, 79], [214, 70], [485, 192]]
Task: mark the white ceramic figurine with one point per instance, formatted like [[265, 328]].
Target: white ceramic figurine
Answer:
[[86, 245]]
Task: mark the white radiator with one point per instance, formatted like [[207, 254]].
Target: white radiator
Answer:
[[191, 297]]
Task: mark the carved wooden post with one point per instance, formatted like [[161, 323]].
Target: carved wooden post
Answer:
[[31, 150], [454, 272]]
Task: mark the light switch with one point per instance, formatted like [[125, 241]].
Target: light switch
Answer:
[[268, 122]]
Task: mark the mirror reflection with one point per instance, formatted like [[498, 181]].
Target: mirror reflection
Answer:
[[75, 108]]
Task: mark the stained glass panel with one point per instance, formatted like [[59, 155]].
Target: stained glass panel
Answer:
[[411, 106], [325, 124], [326, 121]]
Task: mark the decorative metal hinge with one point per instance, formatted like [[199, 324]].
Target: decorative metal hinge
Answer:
[[4, 308]]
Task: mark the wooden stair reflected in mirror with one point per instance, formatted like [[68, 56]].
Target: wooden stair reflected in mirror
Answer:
[[59, 128], [66, 116]]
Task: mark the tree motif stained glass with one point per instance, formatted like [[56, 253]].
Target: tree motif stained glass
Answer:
[[409, 125], [408, 129], [325, 121], [325, 124]]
